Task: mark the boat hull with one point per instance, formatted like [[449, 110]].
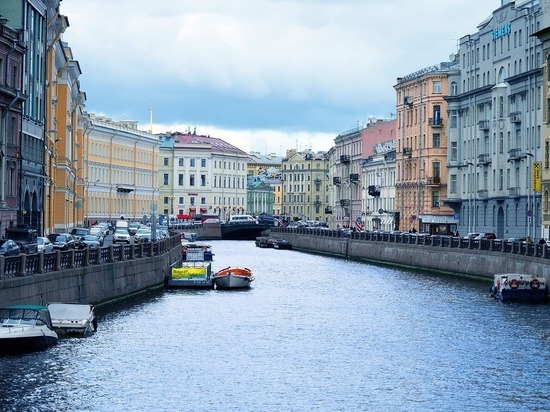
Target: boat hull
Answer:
[[230, 281], [518, 287], [18, 340]]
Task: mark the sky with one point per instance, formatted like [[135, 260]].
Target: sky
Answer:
[[263, 75]]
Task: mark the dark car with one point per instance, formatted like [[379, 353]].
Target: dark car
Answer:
[[79, 232], [9, 248], [62, 241], [88, 240]]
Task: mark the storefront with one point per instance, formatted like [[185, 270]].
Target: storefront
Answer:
[[438, 225]]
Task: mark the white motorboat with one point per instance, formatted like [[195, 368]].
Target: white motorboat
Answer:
[[73, 319], [26, 328], [518, 286], [233, 278]]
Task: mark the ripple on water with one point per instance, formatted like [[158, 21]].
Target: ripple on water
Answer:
[[314, 333]]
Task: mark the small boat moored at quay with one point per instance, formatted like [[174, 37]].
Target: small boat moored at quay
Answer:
[[195, 270], [265, 242], [73, 319], [282, 244], [26, 328], [233, 278], [518, 287]]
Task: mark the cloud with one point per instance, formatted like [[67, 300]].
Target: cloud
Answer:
[[292, 66]]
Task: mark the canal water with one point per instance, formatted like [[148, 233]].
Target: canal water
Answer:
[[314, 333]]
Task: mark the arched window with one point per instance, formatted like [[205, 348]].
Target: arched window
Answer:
[[501, 75]]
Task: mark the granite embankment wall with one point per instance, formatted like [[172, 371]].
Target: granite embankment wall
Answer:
[[101, 283], [476, 263]]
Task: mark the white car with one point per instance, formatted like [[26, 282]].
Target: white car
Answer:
[[44, 245], [121, 236]]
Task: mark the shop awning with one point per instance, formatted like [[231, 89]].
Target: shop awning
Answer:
[[183, 217], [203, 210]]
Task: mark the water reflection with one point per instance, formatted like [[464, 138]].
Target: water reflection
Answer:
[[313, 333]]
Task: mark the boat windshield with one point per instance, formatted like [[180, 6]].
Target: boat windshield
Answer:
[[24, 316]]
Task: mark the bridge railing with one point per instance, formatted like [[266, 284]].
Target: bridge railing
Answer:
[[26, 265], [441, 241]]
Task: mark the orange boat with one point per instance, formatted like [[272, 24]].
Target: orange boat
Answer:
[[233, 278]]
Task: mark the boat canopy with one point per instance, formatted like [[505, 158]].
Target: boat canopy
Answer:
[[25, 315]]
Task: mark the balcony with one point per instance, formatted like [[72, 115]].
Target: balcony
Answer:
[[317, 181], [374, 190], [514, 192], [484, 124], [354, 177], [435, 122], [328, 210], [483, 194], [337, 180], [317, 203], [484, 159], [345, 159], [433, 181], [514, 154], [515, 117], [345, 202], [407, 151]]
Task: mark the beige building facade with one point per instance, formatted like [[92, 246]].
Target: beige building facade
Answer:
[[421, 153]]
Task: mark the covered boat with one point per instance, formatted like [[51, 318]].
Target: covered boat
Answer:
[[518, 286], [233, 278], [73, 319], [26, 328], [196, 252], [195, 270]]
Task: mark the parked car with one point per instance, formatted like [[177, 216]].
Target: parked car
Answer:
[[79, 232], [62, 241], [99, 232], [121, 235], [133, 227], [8, 247], [88, 241], [143, 234], [44, 245]]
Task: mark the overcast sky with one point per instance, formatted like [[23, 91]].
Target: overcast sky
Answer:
[[264, 75]]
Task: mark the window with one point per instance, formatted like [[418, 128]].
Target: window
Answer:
[[435, 198], [180, 200], [180, 179], [192, 200], [165, 200], [436, 170], [203, 162], [203, 180], [181, 161], [437, 86], [203, 200], [454, 185], [454, 119], [166, 161], [192, 180], [454, 151], [454, 89], [192, 162], [165, 178], [436, 140]]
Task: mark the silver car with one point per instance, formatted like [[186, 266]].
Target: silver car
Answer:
[[44, 245]]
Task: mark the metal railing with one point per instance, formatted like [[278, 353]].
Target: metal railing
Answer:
[[445, 241], [25, 265]]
